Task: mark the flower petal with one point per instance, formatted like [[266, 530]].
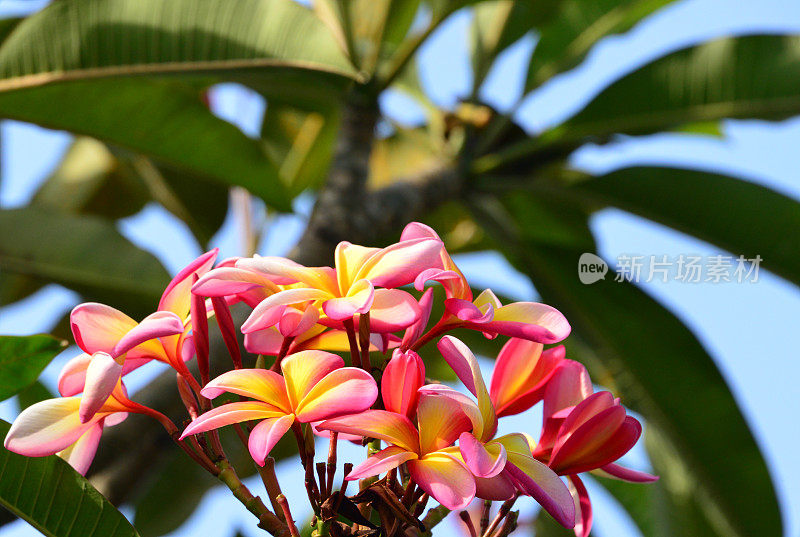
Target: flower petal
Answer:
[[444, 478], [266, 386], [177, 295], [441, 421], [282, 271], [302, 370], [381, 462], [521, 375], [47, 427], [498, 488], [468, 312], [265, 435], [349, 259], [466, 367], [155, 325], [295, 322], [229, 414], [531, 320], [228, 281], [358, 300], [601, 440], [569, 385], [402, 377], [414, 331], [268, 312], [615, 471], [393, 428], [81, 454], [537, 480], [392, 310], [344, 391], [102, 375], [583, 511], [482, 460], [97, 327], [400, 263], [73, 375]]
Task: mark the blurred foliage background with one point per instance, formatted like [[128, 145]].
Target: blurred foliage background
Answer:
[[131, 80]]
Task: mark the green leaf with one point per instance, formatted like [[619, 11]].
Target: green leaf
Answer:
[[729, 212], [658, 368], [55, 499], [83, 253], [163, 119], [22, 360], [741, 77], [574, 26], [257, 40]]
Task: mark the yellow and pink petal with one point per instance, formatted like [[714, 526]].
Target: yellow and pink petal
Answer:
[[445, 478], [302, 370], [344, 391], [260, 384], [393, 428], [229, 414], [381, 462], [265, 435], [177, 296]]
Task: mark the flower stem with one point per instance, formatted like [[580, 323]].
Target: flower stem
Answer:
[[266, 519], [355, 355]]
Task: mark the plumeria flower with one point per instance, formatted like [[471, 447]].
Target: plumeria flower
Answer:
[[341, 292], [54, 426], [315, 386], [585, 431], [501, 465], [118, 344], [433, 468]]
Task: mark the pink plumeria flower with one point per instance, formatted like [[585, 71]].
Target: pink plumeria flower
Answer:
[[342, 292], [500, 465], [118, 344], [54, 426], [403, 376], [434, 468], [585, 431], [315, 386]]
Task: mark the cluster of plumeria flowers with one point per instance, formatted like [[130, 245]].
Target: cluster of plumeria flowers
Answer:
[[427, 439]]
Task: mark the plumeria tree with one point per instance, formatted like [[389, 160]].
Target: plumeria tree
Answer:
[[133, 81], [428, 441]]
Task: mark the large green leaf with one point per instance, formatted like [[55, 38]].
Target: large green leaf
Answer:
[[163, 119], [22, 359], [740, 77], [86, 39], [55, 499], [83, 253], [734, 214], [568, 35], [655, 363], [55, 64]]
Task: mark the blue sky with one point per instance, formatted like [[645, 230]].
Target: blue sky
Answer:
[[748, 328]]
